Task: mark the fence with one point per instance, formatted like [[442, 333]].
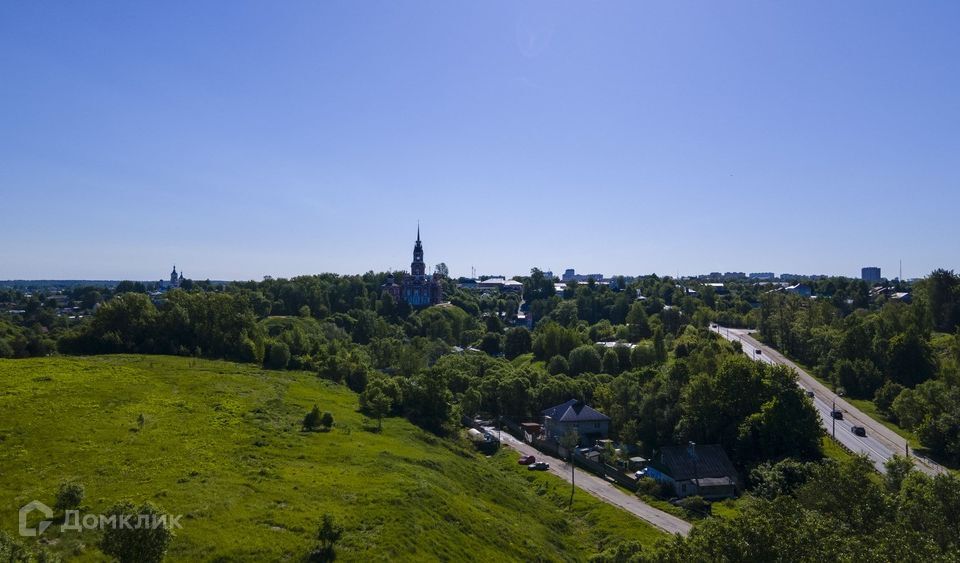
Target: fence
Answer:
[[552, 448], [606, 471]]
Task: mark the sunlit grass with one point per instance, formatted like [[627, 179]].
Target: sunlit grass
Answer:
[[221, 443]]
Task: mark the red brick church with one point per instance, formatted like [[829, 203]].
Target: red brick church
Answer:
[[418, 289]]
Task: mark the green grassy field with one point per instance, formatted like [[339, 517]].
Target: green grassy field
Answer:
[[222, 445]]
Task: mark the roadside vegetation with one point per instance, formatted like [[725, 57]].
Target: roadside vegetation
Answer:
[[898, 361]]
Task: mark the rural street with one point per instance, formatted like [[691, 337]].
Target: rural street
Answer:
[[600, 488], [879, 444]]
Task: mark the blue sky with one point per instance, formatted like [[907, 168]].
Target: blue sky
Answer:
[[238, 140]]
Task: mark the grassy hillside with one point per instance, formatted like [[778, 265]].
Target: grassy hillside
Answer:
[[222, 444]]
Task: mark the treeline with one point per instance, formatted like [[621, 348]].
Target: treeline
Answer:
[[905, 357], [828, 510], [667, 380]]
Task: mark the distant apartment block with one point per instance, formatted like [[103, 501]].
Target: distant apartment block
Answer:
[[763, 276], [870, 274], [571, 274]]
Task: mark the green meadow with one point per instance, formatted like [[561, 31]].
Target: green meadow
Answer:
[[221, 444]]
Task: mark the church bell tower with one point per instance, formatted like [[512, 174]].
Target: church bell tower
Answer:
[[417, 267]]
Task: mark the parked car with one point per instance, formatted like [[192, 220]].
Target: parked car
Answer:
[[640, 474], [538, 466], [837, 414], [809, 393], [527, 460], [859, 430]]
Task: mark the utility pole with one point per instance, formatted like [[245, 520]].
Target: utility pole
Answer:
[[692, 452], [570, 441], [834, 418], [573, 478]]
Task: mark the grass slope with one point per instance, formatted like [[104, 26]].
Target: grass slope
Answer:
[[222, 445]]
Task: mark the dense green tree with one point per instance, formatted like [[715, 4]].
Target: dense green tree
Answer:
[[885, 396], [910, 360], [69, 495], [786, 426], [328, 534], [585, 359], [942, 290], [771, 480], [551, 339], [898, 468], [427, 399], [859, 378], [491, 343], [558, 364], [611, 362], [638, 322], [136, 544], [312, 419], [518, 342], [278, 355], [659, 346], [565, 314]]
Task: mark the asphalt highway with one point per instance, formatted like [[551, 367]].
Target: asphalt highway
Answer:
[[880, 443], [600, 488]]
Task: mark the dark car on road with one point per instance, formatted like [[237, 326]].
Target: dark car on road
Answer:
[[526, 460], [538, 466], [837, 414], [859, 430]]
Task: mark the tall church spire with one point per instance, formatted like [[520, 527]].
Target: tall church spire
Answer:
[[418, 268]]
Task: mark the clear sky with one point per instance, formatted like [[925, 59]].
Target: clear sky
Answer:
[[238, 140]]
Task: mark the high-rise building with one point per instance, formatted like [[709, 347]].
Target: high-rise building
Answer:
[[870, 274]]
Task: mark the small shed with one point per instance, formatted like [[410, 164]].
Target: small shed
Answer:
[[636, 463]]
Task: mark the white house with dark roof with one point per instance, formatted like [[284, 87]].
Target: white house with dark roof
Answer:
[[575, 415]]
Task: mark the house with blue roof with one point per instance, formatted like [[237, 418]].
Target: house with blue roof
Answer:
[[575, 415]]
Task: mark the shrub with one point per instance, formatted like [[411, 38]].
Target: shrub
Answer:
[[694, 506], [326, 420], [312, 418], [328, 534], [654, 488], [69, 495], [144, 544]]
